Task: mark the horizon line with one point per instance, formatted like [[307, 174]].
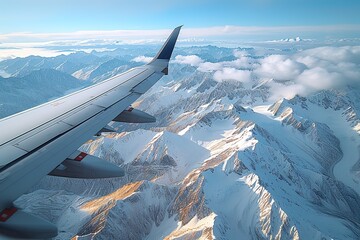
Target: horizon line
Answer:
[[210, 32]]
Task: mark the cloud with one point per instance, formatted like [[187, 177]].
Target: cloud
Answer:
[[222, 71], [142, 59], [279, 67], [192, 60], [232, 74], [240, 53], [202, 66], [242, 62], [210, 66], [279, 90], [84, 35], [186, 33], [9, 53], [343, 60], [302, 73], [214, 35], [331, 54], [317, 69], [319, 78]]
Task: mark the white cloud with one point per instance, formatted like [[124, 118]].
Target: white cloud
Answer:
[[202, 66], [279, 90], [332, 54], [232, 74], [319, 78], [192, 60], [84, 35], [210, 66], [301, 73], [325, 68], [25, 41], [8, 53], [240, 53], [242, 62], [186, 33], [142, 59], [226, 70], [279, 67]]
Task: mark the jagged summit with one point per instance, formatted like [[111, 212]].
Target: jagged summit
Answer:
[[224, 159]]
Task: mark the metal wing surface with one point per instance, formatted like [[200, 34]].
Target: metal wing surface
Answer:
[[44, 139]]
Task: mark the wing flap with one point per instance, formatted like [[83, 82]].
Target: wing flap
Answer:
[[41, 137], [106, 129], [17, 223], [82, 165], [9, 153], [82, 114], [133, 115], [146, 84], [109, 98]]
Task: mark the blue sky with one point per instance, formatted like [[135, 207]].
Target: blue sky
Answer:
[[279, 18], [74, 15]]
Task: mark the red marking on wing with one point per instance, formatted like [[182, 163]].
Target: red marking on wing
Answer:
[[81, 156], [7, 213]]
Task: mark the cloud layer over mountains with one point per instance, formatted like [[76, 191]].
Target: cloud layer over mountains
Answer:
[[302, 73]]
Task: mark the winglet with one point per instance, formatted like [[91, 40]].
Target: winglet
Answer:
[[168, 47]]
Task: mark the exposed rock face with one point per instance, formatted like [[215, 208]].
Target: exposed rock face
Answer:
[[221, 162]]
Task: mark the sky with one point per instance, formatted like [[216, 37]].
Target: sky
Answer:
[[77, 15], [46, 27], [54, 20]]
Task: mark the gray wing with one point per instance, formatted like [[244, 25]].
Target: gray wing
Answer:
[[44, 140]]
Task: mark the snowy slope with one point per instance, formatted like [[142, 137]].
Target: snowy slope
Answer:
[[226, 158], [20, 93], [158, 152]]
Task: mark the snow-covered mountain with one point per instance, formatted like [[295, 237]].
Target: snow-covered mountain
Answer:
[[248, 144], [291, 40], [20, 93]]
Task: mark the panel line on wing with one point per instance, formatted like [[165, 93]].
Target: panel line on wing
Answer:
[[28, 153], [59, 117]]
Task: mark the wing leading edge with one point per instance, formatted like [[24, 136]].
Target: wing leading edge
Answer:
[[37, 141]]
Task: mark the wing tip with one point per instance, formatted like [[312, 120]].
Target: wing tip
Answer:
[[168, 47]]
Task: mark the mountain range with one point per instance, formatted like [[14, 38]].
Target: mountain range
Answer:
[[229, 156]]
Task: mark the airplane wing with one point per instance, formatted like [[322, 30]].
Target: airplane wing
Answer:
[[44, 139]]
